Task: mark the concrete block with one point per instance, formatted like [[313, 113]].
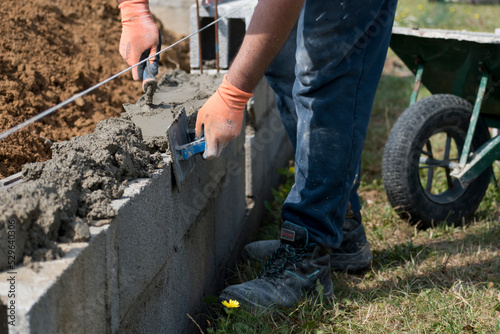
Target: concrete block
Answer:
[[61, 296], [137, 242], [144, 239], [230, 207], [112, 287], [145, 245], [267, 149], [174, 14], [237, 16], [164, 279], [180, 285], [261, 104]]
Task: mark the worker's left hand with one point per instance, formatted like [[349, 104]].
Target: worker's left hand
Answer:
[[140, 37], [221, 118]]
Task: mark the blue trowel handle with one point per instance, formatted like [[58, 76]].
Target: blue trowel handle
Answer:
[[195, 147]]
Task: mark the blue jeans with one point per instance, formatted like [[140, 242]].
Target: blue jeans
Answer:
[[325, 78]]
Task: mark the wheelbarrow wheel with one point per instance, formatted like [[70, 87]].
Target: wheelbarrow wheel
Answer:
[[422, 149]]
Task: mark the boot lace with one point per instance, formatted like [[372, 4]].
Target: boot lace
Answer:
[[284, 256]]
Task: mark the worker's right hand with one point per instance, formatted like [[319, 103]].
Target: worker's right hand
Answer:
[[221, 118], [140, 36]]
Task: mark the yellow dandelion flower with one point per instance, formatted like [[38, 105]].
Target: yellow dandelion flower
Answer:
[[397, 18], [467, 11], [403, 15], [420, 7], [231, 303], [476, 16], [452, 9]]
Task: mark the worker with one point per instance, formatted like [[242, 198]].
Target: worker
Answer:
[[324, 60]]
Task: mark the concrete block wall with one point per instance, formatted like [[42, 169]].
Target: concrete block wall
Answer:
[[167, 248], [231, 31], [266, 145]]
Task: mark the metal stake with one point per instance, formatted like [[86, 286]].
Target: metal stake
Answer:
[[199, 35], [216, 37]]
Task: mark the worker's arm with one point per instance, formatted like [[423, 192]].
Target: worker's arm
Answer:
[[222, 115], [140, 37], [271, 24]]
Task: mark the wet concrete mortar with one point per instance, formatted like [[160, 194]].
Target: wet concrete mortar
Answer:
[[60, 198]]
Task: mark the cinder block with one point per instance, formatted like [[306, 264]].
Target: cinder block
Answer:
[[63, 296], [261, 104], [267, 149], [179, 287], [152, 227], [144, 238], [237, 16], [230, 207]]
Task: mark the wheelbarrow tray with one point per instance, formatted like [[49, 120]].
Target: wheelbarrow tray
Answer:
[[451, 61]]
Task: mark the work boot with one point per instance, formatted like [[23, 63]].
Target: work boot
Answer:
[[353, 255], [289, 275]]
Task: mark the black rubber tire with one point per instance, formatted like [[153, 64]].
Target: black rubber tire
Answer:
[[448, 114]]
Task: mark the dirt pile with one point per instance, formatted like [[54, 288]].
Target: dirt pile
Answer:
[[47, 207], [50, 50]]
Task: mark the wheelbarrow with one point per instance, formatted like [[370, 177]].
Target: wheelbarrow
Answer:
[[437, 161]]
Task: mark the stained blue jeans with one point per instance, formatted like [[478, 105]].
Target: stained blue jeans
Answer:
[[325, 79]]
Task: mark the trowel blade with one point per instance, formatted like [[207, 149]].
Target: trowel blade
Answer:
[[178, 135]]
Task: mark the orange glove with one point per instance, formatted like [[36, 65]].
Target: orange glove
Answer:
[[221, 117], [139, 35]]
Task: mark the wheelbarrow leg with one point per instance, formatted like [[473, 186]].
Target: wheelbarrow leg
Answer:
[[473, 119], [416, 85], [483, 156]]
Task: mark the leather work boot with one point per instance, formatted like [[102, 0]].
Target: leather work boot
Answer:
[[289, 275], [353, 255]]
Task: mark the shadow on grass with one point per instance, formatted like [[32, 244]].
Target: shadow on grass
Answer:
[[408, 267], [403, 253]]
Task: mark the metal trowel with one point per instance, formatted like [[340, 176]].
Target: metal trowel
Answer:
[[184, 145]]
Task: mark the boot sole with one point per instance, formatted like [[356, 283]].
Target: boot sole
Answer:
[[254, 307]]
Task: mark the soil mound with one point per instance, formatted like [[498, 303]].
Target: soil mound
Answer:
[[51, 50]]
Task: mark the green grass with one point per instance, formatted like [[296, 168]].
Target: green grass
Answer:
[[440, 280], [442, 15]]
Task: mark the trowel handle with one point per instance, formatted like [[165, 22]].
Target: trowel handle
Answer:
[[195, 147], [148, 77]]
